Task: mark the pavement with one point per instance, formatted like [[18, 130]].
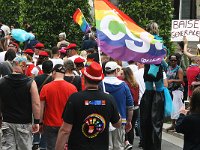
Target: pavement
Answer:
[[170, 140]]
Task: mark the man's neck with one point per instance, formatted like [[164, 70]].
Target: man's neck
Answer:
[[55, 56], [91, 87], [59, 77]]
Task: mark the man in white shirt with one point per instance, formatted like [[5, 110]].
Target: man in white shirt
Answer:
[[72, 52], [140, 80], [133, 66], [56, 56]]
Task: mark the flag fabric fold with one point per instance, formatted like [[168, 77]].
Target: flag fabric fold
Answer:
[[79, 18], [122, 39]]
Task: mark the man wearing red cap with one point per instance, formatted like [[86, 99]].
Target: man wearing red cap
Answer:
[[30, 65], [13, 46], [71, 52], [37, 49], [43, 56], [79, 63], [87, 115]]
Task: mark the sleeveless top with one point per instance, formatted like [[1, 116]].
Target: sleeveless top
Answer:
[[172, 73]]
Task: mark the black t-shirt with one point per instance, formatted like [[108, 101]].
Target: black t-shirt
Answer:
[[75, 80], [40, 80], [90, 112]]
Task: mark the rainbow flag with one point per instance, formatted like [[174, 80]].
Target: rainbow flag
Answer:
[[122, 39], [79, 18]]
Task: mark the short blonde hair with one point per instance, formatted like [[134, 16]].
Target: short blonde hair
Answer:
[[153, 28]]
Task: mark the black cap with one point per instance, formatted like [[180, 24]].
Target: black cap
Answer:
[[59, 68]]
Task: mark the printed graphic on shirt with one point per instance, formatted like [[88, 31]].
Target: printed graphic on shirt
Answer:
[[94, 124], [95, 102]]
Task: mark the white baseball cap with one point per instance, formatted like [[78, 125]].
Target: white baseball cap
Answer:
[[111, 65]]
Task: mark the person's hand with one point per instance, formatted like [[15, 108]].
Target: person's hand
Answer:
[[195, 83], [185, 40], [183, 110], [35, 128], [128, 126], [7, 37], [66, 147]]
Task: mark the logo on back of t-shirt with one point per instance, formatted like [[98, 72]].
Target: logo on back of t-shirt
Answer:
[[94, 124], [95, 102]]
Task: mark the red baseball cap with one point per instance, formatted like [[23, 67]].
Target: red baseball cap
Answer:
[[14, 44], [39, 45], [93, 72], [43, 53], [29, 51], [79, 60], [71, 46]]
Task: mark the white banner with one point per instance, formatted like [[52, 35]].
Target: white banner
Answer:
[[188, 28]]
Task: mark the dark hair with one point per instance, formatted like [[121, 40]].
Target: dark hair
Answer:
[[91, 81], [69, 65], [41, 59], [47, 66], [195, 101], [10, 55], [55, 50], [181, 44], [178, 57], [131, 62]]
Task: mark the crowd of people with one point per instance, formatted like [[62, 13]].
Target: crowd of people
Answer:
[[63, 98]]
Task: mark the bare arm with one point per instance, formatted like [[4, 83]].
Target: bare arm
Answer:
[[129, 119], [130, 115], [42, 105], [186, 47], [165, 82], [63, 136], [35, 100]]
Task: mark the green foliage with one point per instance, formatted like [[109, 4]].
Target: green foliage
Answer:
[[9, 11], [51, 17], [48, 17], [145, 11]]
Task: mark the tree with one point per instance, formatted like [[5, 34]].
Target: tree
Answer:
[[9, 11], [48, 17], [51, 17]]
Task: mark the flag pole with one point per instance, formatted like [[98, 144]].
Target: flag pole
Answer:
[[100, 62]]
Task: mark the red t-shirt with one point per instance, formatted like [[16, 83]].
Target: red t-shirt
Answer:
[[29, 69], [191, 73], [55, 94]]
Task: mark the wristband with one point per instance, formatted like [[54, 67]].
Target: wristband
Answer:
[[36, 121]]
